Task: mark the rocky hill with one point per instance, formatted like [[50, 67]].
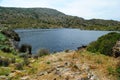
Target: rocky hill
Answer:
[[50, 18]]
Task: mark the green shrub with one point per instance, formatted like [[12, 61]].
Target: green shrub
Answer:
[[2, 37], [26, 61], [42, 52], [111, 70], [32, 70], [99, 61], [48, 62], [104, 44], [23, 55], [67, 50], [13, 60], [118, 70], [4, 62], [19, 66], [26, 48], [4, 71]]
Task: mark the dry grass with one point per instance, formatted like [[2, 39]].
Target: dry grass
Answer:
[[101, 62], [98, 63]]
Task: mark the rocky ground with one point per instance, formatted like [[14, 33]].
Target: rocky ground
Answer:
[[70, 65]]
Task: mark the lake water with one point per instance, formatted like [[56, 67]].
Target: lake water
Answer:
[[57, 39]]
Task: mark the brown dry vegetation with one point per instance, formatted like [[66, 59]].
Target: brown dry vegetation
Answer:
[[45, 67], [70, 65]]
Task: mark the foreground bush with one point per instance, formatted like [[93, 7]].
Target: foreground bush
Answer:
[[4, 71], [105, 43], [26, 48], [42, 52]]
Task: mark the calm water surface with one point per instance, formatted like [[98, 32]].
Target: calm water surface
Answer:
[[57, 39]]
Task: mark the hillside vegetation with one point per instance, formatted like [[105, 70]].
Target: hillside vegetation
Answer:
[[105, 44], [50, 18]]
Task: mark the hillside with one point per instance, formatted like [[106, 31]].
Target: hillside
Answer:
[[50, 18]]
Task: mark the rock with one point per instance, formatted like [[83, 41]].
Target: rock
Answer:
[[11, 75], [51, 70], [25, 78], [85, 68], [15, 73], [42, 73], [32, 61], [116, 49], [68, 64], [11, 34], [94, 77], [3, 77], [83, 77], [78, 66]]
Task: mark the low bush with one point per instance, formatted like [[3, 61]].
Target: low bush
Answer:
[[67, 50], [118, 70], [26, 61], [2, 37], [13, 60], [4, 62], [4, 71], [23, 55], [111, 70], [26, 48], [42, 52], [19, 66]]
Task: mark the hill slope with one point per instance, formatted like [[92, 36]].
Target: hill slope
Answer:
[[50, 18]]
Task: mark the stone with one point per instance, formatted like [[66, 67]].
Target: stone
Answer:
[[12, 75], [42, 73], [25, 78], [2, 77], [94, 77], [15, 73], [116, 49], [32, 61]]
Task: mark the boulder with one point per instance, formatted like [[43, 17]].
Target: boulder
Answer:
[[116, 49], [2, 77], [25, 78]]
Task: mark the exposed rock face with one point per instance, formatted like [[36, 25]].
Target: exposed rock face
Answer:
[[70, 71], [116, 49], [11, 34], [13, 37]]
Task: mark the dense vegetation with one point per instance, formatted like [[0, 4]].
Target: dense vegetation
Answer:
[[50, 18], [4, 43], [104, 44]]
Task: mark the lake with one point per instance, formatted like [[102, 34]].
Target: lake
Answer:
[[57, 39]]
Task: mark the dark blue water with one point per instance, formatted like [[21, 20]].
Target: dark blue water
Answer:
[[57, 39]]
